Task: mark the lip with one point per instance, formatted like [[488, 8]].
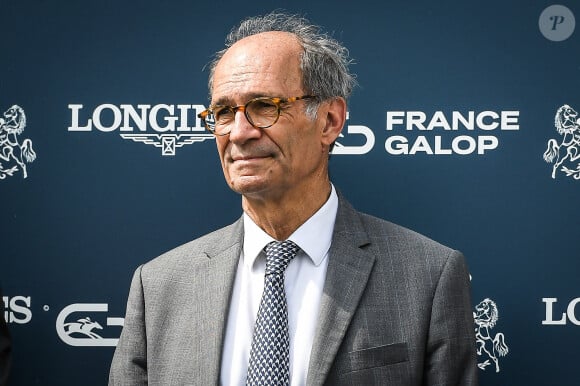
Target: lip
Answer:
[[249, 158]]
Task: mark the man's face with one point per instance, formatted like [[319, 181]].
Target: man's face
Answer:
[[288, 156]]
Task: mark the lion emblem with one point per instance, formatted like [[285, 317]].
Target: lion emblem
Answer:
[[567, 125], [12, 124], [486, 316]]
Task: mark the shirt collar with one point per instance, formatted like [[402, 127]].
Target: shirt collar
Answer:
[[313, 237]]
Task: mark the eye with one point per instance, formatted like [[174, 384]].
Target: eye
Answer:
[[263, 107], [223, 114]]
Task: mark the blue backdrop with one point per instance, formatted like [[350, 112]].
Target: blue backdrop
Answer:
[[463, 127]]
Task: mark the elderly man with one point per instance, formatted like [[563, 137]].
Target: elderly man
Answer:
[[302, 289]]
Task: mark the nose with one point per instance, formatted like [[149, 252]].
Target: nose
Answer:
[[242, 130]]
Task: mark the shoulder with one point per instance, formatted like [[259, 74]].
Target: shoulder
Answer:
[[391, 243], [375, 230], [406, 256], [400, 237], [198, 249]]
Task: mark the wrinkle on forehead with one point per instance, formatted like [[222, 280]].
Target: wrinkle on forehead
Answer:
[[267, 63]]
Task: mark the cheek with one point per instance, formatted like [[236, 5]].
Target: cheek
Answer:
[[308, 143], [221, 145], [304, 154]]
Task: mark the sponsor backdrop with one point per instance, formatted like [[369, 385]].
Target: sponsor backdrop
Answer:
[[464, 127]]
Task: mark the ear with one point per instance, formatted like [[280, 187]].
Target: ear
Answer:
[[334, 119]]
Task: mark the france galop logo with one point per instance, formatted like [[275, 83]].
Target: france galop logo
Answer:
[[14, 155], [565, 153]]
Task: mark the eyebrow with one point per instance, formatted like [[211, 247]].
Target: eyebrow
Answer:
[[228, 101]]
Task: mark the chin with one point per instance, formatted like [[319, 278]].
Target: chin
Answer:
[[248, 186]]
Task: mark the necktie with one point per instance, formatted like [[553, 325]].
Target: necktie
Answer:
[[270, 351]]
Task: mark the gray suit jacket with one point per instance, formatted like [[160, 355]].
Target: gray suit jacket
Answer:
[[395, 310]]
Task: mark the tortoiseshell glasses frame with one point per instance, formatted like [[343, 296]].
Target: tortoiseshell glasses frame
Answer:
[[261, 112]]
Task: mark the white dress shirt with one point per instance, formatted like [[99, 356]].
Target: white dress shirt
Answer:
[[304, 281]]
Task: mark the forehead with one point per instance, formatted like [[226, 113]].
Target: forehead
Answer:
[[266, 64]]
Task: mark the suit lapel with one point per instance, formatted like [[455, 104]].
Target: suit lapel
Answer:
[[213, 294], [349, 268]]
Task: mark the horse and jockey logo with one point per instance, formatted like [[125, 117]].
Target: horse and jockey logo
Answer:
[[12, 124], [84, 327], [80, 331], [488, 345], [568, 126]]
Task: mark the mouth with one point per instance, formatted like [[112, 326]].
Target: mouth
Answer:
[[250, 158]]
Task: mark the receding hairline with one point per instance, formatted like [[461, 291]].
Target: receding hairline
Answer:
[[324, 61], [293, 41], [289, 48]]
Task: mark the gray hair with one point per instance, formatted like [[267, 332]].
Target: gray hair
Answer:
[[324, 61]]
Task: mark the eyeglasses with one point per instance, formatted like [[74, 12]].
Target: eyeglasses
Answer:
[[261, 112]]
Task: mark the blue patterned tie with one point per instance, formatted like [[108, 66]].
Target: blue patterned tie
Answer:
[[270, 352]]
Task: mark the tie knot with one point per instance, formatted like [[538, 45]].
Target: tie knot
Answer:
[[278, 255]]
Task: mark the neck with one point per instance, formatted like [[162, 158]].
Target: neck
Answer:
[[280, 217]]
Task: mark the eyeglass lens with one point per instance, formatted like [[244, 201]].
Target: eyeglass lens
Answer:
[[260, 112]]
